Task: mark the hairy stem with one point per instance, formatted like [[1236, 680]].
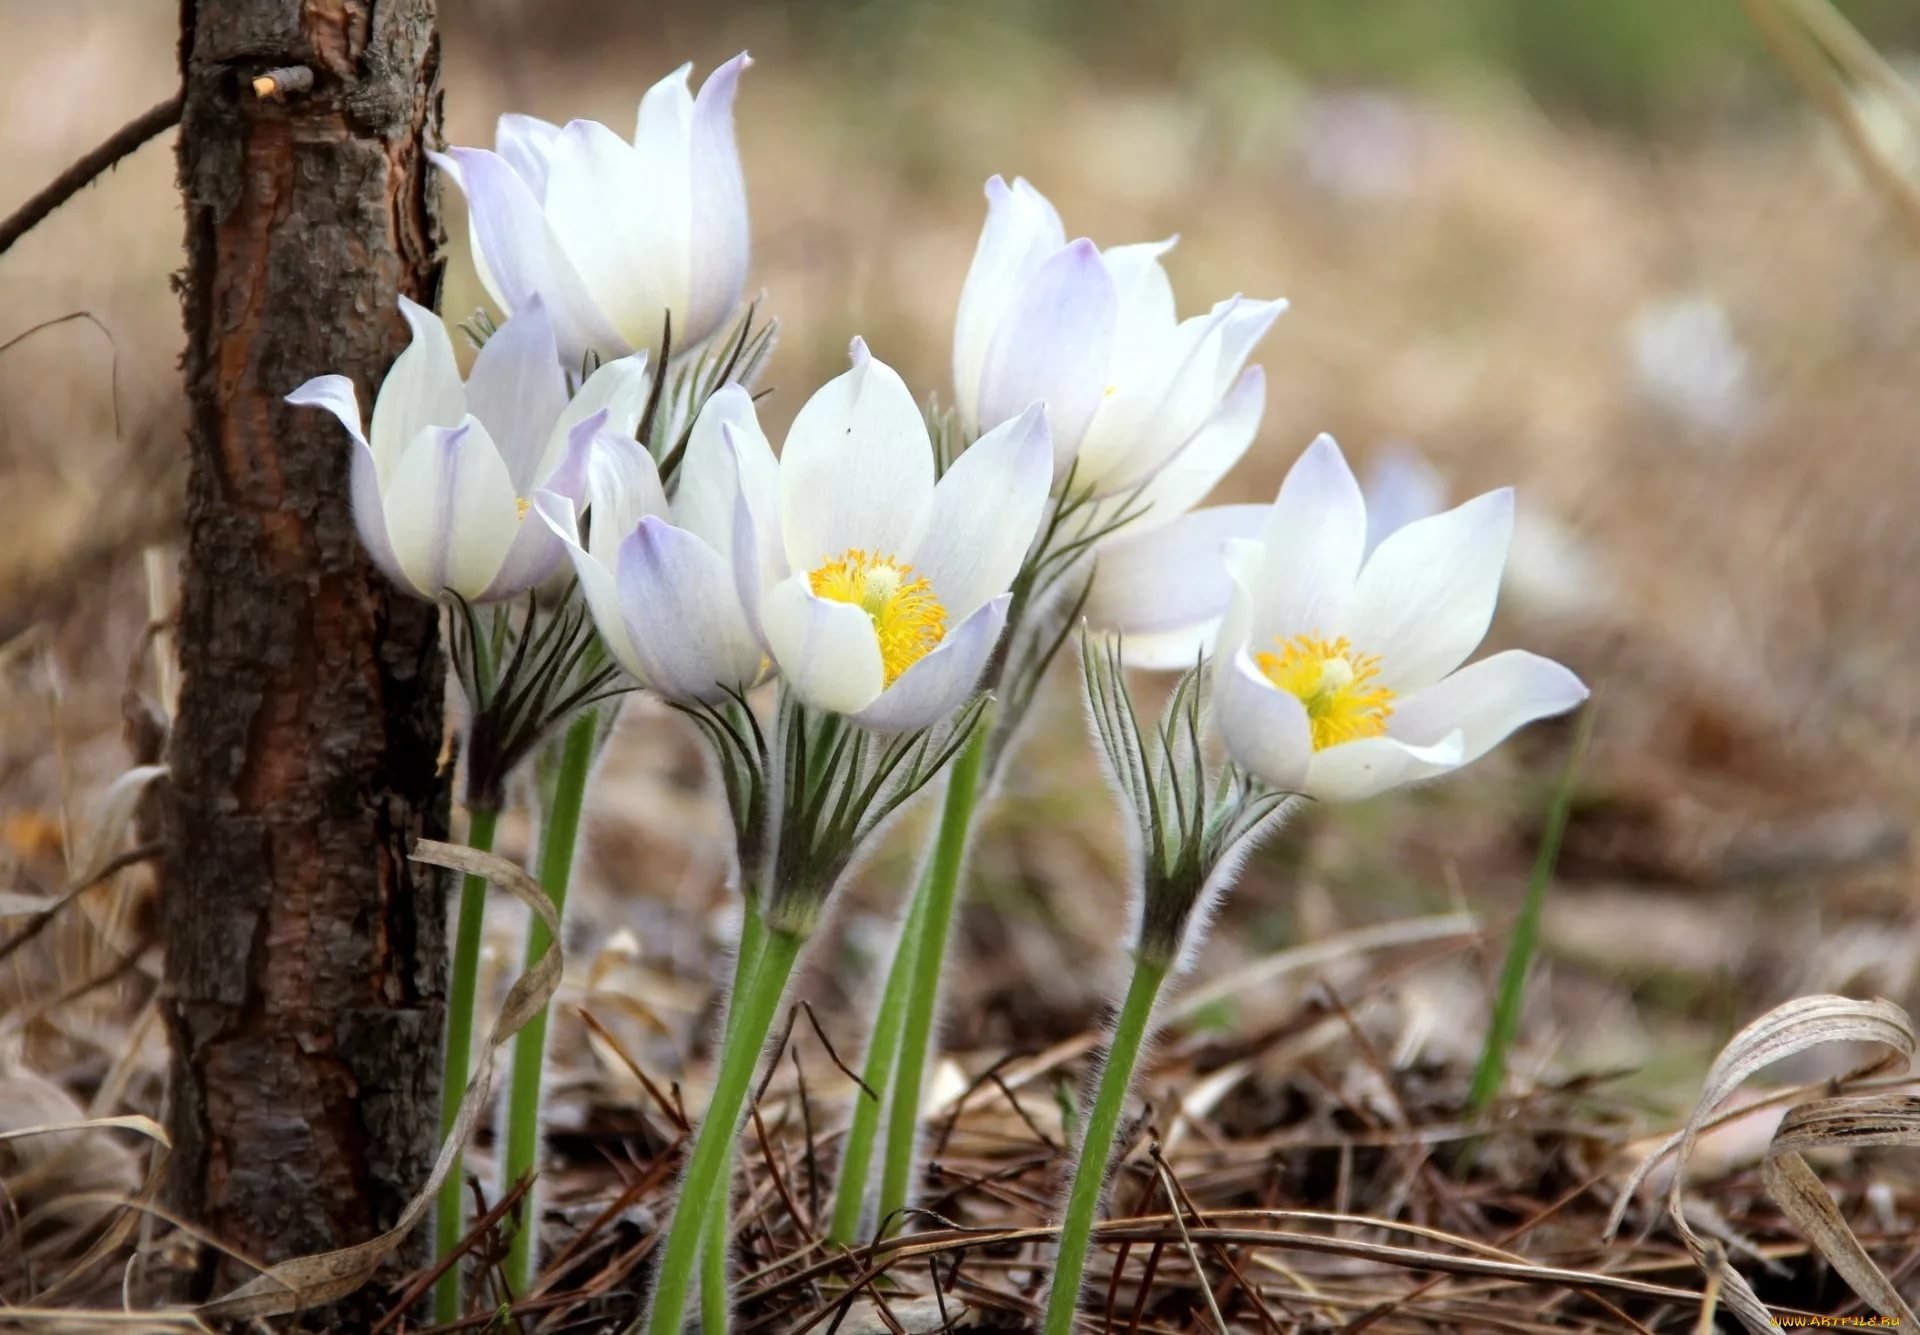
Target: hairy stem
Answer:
[[713, 1144], [929, 949], [883, 1048], [449, 1222], [530, 1045], [1096, 1148], [716, 1310]]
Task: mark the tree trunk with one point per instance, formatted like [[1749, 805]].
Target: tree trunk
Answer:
[[306, 956]]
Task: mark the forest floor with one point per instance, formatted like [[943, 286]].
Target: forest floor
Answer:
[[1723, 548]]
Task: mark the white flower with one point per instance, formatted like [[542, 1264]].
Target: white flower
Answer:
[[1128, 387], [878, 594], [658, 579], [1337, 678], [443, 477], [1688, 361], [614, 235]]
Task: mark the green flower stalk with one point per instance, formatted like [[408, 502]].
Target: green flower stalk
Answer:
[[561, 835], [521, 678], [929, 946], [806, 802], [449, 1220], [1190, 833]]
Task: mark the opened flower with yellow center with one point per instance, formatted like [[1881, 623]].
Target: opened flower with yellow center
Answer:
[[878, 593], [444, 475], [1338, 674]]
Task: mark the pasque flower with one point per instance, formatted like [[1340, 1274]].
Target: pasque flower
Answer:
[[658, 578], [879, 594], [444, 475], [1338, 674], [1093, 334], [615, 235], [1147, 410]]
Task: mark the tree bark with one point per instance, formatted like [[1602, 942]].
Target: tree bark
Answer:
[[306, 956]]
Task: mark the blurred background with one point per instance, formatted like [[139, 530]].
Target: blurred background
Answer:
[[1608, 253]]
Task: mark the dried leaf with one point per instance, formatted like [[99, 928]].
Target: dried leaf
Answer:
[[311, 1281], [1807, 1022], [106, 834], [1848, 1123], [146, 1126]]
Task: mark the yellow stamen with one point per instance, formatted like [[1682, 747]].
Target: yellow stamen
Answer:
[[522, 505], [1331, 681], [907, 616]]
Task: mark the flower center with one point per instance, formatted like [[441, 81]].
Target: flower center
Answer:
[[907, 616], [1332, 682]]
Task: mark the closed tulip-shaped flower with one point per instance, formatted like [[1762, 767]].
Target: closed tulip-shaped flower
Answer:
[[1338, 673], [611, 235], [1128, 387], [878, 593], [443, 477], [659, 579]]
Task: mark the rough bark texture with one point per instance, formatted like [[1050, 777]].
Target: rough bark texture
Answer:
[[305, 955]]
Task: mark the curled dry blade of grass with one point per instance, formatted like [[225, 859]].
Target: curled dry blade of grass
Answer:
[[309, 1281], [1834, 1122]]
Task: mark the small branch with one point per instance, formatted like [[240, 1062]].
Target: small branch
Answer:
[[70, 182]]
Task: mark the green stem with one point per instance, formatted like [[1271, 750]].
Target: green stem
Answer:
[[1090, 1174], [530, 1045], [716, 1310], [883, 1047], [450, 1220], [1491, 1073], [713, 1144], [929, 953]]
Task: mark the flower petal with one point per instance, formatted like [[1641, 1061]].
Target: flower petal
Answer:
[[944, 679], [857, 471], [683, 617], [623, 487], [519, 257], [623, 227], [337, 395], [703, 504], [621, 386], [827, 651], [597, 584], [1264, 727], [422, 389], [718, 239], [1356, 770], [537, 549], [526, 142], [1021, 230], [450, 510], [1143, 427], [1208, 455], [370, 516], [1486, 702], [759, 562], [517, 390], [1314, 536], [985, 512], [1170, 578], [1053, 346], [1426, 596]]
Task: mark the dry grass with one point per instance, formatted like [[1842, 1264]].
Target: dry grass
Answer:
[[1465, 275]]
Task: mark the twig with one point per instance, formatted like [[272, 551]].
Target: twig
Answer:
[[38, 922], [151, 122]]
